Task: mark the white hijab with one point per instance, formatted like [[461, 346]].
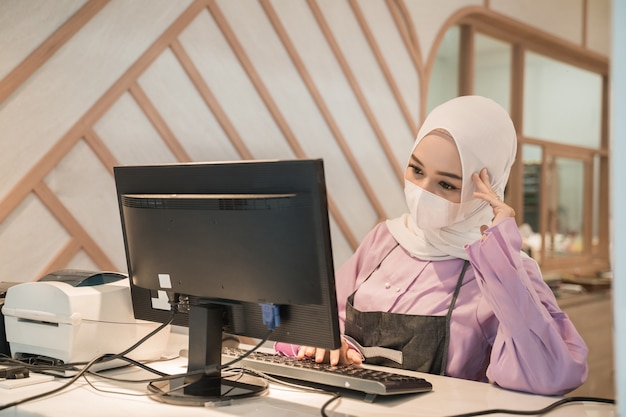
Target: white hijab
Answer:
[[485, 137]]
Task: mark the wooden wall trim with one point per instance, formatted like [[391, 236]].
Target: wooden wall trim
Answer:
[[407, 30], [478, 17], [393, 86], [63, 257], [211, 101], [39, 56], [256, 79], [466, 60], [514, 31], [281, 122], [322, 107], [452, 20], [100, 149], [563, 148], [588, 189], [68, 221], [159, 123], [404, 23], [65, 144], [604, 191], [33, 181], [516, 177], [28, 182], [360, 96], [17, 194]]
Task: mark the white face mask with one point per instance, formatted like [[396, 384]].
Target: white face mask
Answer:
[[429, 211]]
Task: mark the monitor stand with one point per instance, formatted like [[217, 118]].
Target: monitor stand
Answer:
[[205, 353]]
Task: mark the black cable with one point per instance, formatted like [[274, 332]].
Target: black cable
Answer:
[[538, 412], [335, 397], [110, 357], [249, 352], [99, 359], [134, 363], [210, 370]]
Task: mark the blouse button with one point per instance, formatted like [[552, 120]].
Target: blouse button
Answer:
[[387, 285], [398, 289]]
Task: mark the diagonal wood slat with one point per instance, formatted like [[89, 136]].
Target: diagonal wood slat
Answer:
[[159, 123], [65, 144], [39, 56], [83, 129], [393, 85], [254, 76], [100, 150], [330, 121], [210, 100], [362, 100], [72, 225]]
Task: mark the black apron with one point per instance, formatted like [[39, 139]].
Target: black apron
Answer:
[[415, 342]]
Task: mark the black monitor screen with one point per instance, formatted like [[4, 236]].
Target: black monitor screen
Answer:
[[233, 236]]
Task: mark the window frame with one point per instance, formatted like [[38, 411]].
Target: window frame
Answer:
[[595, 255]]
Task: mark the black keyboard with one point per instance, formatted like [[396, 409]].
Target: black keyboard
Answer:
[[353, 377]]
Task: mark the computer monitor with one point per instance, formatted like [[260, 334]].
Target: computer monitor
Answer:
[[233, 239]]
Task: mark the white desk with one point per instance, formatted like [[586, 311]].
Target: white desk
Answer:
[[450, 396]]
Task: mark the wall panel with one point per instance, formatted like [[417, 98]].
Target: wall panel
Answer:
[[598, 25], [562, 18], [84, 187], [24, 25], [175, 98], [153, 81], [129, 135], [429, 17], [31, 238]]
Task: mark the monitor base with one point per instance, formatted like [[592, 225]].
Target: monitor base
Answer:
[[178, 391]]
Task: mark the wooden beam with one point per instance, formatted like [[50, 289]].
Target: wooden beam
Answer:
[[49, 47]]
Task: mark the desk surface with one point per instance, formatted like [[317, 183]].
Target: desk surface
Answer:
[[450, 396]]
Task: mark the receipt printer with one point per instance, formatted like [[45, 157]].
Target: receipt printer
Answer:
[[74, 316]]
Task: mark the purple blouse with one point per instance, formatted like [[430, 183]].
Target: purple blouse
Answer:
[[506, 326]]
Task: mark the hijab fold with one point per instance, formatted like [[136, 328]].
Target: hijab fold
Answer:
[[485, 137]]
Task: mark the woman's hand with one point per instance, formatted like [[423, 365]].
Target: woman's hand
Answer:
[[501, 210], [342, 356]]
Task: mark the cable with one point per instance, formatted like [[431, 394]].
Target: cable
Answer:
[[210, 370], [98, 359], [110, 357], [249, 352], [335, 395], [538, 412]]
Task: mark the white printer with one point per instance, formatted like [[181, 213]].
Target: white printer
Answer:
[[75, 316]]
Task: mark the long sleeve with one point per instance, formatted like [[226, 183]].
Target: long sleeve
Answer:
[[536, 347]]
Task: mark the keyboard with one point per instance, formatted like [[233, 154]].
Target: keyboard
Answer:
[[372, 382]]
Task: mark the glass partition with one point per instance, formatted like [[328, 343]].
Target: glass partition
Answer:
[[565, 206], [562, 103], [492, 77], [444, 77]]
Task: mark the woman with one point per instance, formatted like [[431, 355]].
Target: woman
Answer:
[[445, 288]]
